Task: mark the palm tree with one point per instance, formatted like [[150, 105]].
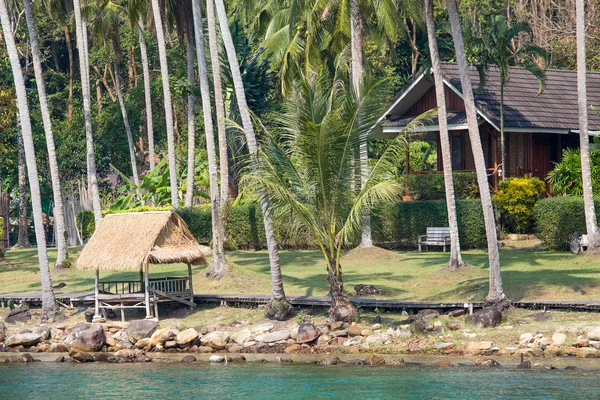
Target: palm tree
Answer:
[[584, 139], [455, 255], [219, 105], [496, 296], [164, 71], [50, 308], [23, 238], [189, 193], [503, 45], [307, 172], [59, 217], [218, 266], [81, 34], [278, 307], [147, 95]]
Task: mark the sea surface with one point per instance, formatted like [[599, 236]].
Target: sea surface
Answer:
[[294, 381]]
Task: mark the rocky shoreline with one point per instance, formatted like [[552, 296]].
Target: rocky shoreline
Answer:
[[330, 343]]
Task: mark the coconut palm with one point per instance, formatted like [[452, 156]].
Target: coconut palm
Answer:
[[218, 266], [584, 140], [305, 169], [278, 307], [505, 46], [219, 104], [59, 217], [23, 238], [189, 35], [455, 255], [164, 71], [50, 308], [81, 34], [147, 95], [496, 296]]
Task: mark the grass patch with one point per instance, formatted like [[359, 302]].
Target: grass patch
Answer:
[[528, 274]]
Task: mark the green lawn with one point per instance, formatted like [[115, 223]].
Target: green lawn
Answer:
[[528, 274]]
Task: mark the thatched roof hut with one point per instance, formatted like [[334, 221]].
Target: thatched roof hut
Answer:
[[134, 240]]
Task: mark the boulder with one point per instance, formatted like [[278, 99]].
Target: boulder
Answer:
[[457, 313], [186, 336], [2, 332], [81, 326], [188, 359], [366, 290], [236, 358], [91, 339], [559, 338], [216, 339], [23, 339], [375, 360], [453, 325], [307, 333], [419, 326], [217, 358], [19, 314], [57, 334], [101, 357], [58, 348], [487, 363], [241, 336], [428, 313], [274, 336], [22, 358], [81, 356], [354, 330], [142, 343], [141, 328], [481, 346], [594, 334], [333, 360], [486, 318], [263, 328], [337, 325], [582, 352]]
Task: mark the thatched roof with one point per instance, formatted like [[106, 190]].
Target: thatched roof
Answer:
[[128, 241]]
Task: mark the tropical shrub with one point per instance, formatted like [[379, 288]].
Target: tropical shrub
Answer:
[[557, 218], [516, 199], [85, 224], [565, 178], [431, 186]]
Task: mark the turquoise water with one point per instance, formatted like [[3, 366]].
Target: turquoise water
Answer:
[[273, 381]]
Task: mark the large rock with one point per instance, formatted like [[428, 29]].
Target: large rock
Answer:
[[162, 336], [307, 333], [216, 339], [186, 336], [263, 328], [23, 339], [81, 356], [594, 334], [91, 339], [241, 336], [559, 338], [57, 334], [19, 314], [274, 336], [354, 330], [486, 318], [141, 328], [475, 346]]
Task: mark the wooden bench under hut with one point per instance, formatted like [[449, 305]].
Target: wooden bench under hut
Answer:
[[133, 241]]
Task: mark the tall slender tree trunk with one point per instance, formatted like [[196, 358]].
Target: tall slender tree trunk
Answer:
[[147, 96], [130, 142], [23, 238], [50, 309], [70, 52], [164, 71], [218, 267], [341, 308], [502, 140], [219, 104], [357, 39], [81, 34], [189, 192], [59, 217], [584, 139], [455, 255], [278, 307], [496, 296]]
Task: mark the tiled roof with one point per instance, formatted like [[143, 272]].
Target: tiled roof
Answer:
[[454, 118], [554, 108]]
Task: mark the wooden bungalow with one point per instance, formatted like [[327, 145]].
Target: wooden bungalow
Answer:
[[538, 126], [134, 241]]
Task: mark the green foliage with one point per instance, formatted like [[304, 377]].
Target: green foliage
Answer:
[[399, 225], [516, 199], [85, 223], [431, 186], [565, 178], [557, 218]]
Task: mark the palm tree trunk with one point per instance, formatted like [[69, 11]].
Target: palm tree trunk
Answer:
[[23, 238], [502, 141], [357, 39], [219, 104], [59, 217], [70, 51], [50, 309], [455, 255], [130, 143], [189, 192], [278, 301], [218, 267], [496, 296], [584, 140], [164, 71], [81, 34], [147, 96], [341, 308]]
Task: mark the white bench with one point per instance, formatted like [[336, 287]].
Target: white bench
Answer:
[[435, 237]]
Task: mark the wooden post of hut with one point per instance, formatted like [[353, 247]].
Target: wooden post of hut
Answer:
[[190, 283], [146, 289]]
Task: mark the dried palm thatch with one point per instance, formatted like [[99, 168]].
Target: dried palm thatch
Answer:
[[132, 240]]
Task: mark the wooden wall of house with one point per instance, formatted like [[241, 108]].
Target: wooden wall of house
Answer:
[[453, 102]]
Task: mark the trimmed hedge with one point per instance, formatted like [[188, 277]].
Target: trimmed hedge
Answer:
[[431, 186], [557, 218], [400, 224]]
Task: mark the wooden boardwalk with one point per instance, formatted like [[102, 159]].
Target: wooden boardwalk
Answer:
[[315, 301]]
